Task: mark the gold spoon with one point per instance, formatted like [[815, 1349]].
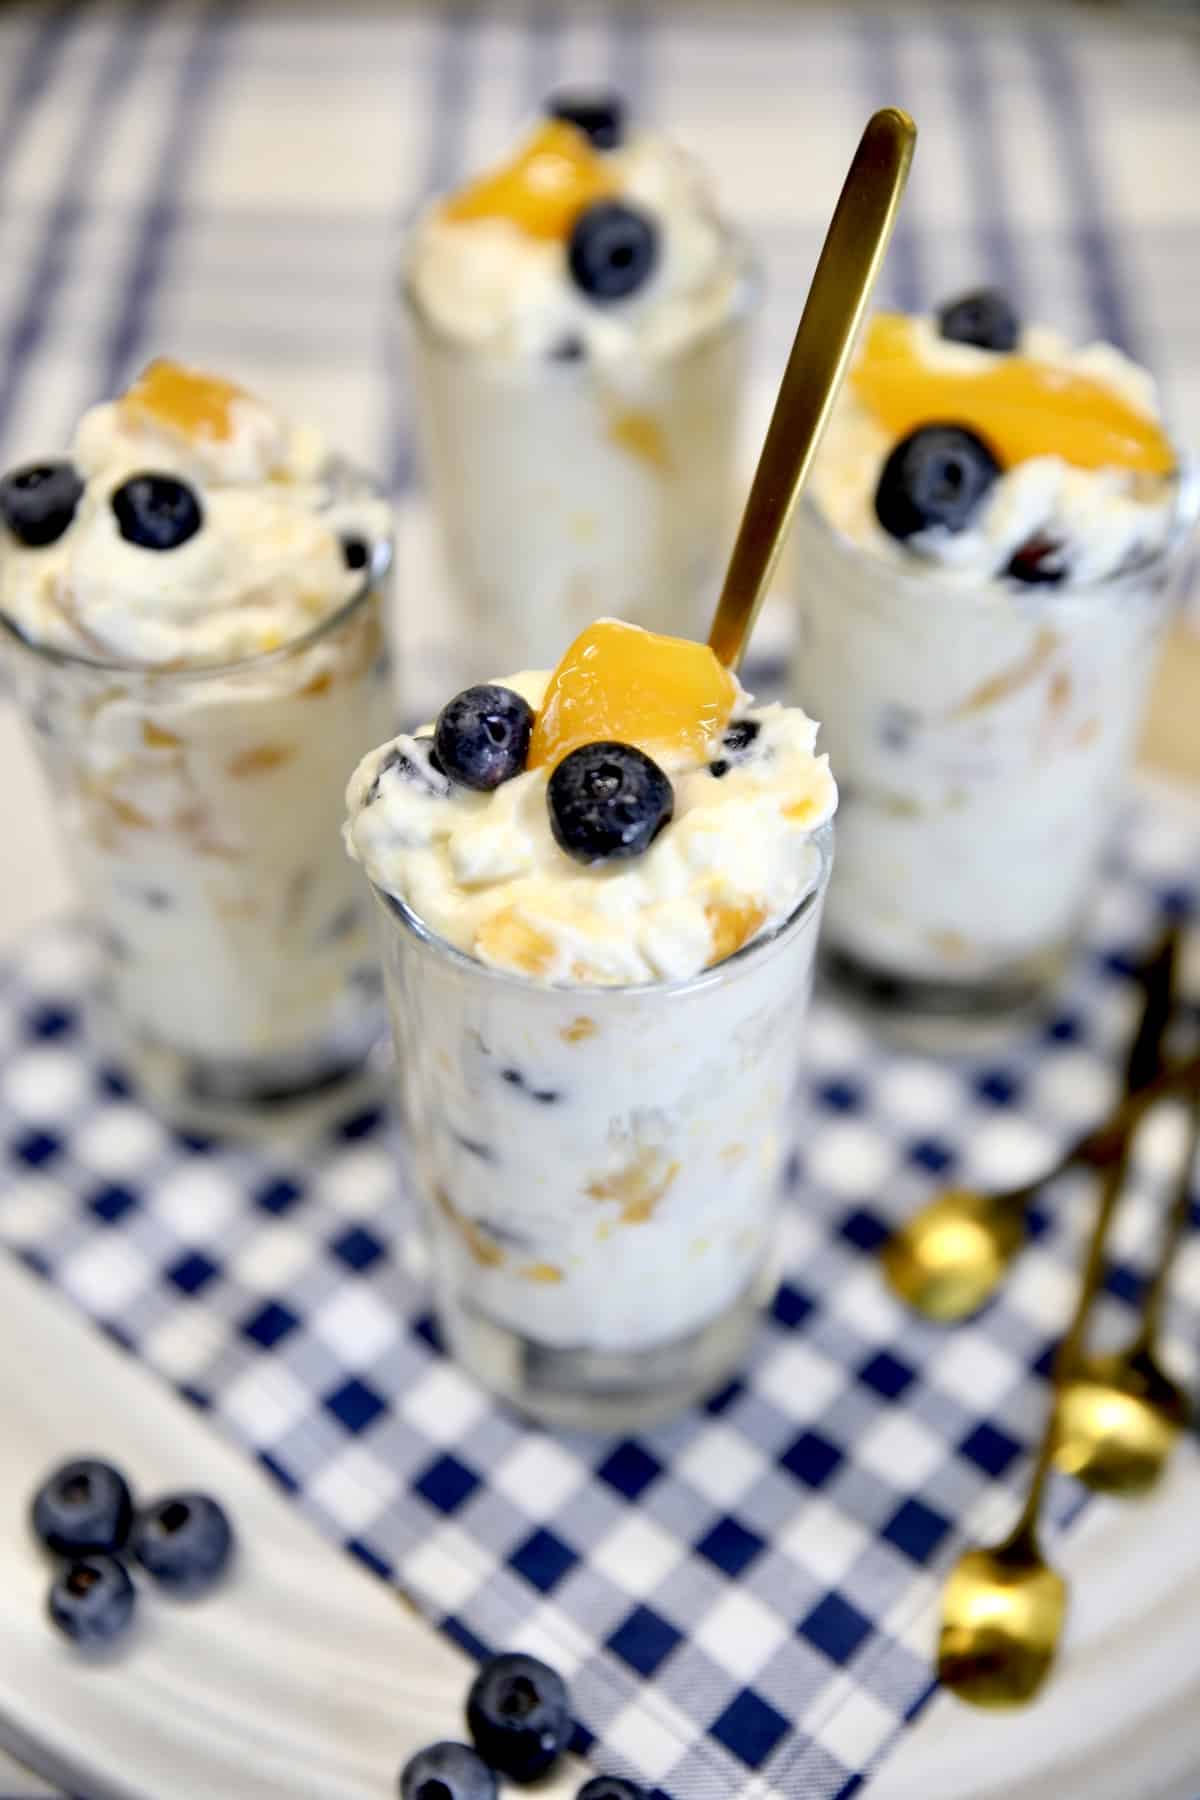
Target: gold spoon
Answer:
[[1119, 1415], [1003, 1609], [849, 264], [949, 1258]]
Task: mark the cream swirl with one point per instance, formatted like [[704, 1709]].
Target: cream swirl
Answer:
[[484, 872], [495, 286], [266, 565]]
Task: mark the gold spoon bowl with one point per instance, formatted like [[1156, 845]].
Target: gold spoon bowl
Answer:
[[1002, 1617], [948, 1259], [1119, 1418]]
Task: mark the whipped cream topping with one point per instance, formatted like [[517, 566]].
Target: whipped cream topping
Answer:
[[1103, 520], [493, 286], [484, 873], [265, 567]]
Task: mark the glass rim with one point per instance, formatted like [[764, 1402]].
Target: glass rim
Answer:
[[748, 292], [1184, 516], [507, 980], [376, 570]]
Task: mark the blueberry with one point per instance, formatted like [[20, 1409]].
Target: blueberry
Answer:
[[518, 1717], [92, 1600], [83, 1507], [984, 318], [610, 1787], [446, 1771], [156, 512], [184, 1541], [737, 740], [608, 800], [1039, 562], [38, 502], [938, 475], [570, 348], [600, 116], [355, 552], [482, 736], [612, 250]]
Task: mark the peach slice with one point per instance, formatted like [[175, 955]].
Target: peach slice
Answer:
[[1020, 406], [196, 405], [543, 189], [637, 687]]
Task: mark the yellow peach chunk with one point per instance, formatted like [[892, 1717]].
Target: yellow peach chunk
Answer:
[[732, 926], [260, 759], [543, 189], [197, 405], [157, 737], [1020, 406], [639, 1187], [510, 942], [619, 682]]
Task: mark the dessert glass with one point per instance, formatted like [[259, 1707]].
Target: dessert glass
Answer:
[[598, 1168], [981, 732], [202, 807], [530, 460]]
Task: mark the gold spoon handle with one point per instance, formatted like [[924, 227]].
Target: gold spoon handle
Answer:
[[850, 260], [1105, 1141], [1177, 1222], [1022, 1538]]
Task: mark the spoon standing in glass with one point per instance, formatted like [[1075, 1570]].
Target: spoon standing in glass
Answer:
[[845, 276], [1120, 1414]]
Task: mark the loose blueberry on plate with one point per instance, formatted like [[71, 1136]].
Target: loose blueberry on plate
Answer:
[[184, 1541], [608, 800], [518, 1716], [1039, 562], [737, 740], [985, 318], [610, 1787], [92, 1600], [447, 1771], [156, 512], [612, 250], [38, 502], [83, 1507], [482, 736], [937, 476], [600, 116]]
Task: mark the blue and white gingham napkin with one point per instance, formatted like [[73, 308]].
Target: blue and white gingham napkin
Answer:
[[742, 1599]]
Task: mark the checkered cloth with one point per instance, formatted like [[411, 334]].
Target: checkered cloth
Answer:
[[742, 1599]]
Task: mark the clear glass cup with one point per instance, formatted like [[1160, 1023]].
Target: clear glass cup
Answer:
[[569, 490], [598, 1168], [980, 735], [202, 812]]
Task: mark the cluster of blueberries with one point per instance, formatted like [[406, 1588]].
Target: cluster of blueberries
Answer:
[[939, 475], [155, 512], [613, 248], [606, 800], [84, 1513], [518, 1716]]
